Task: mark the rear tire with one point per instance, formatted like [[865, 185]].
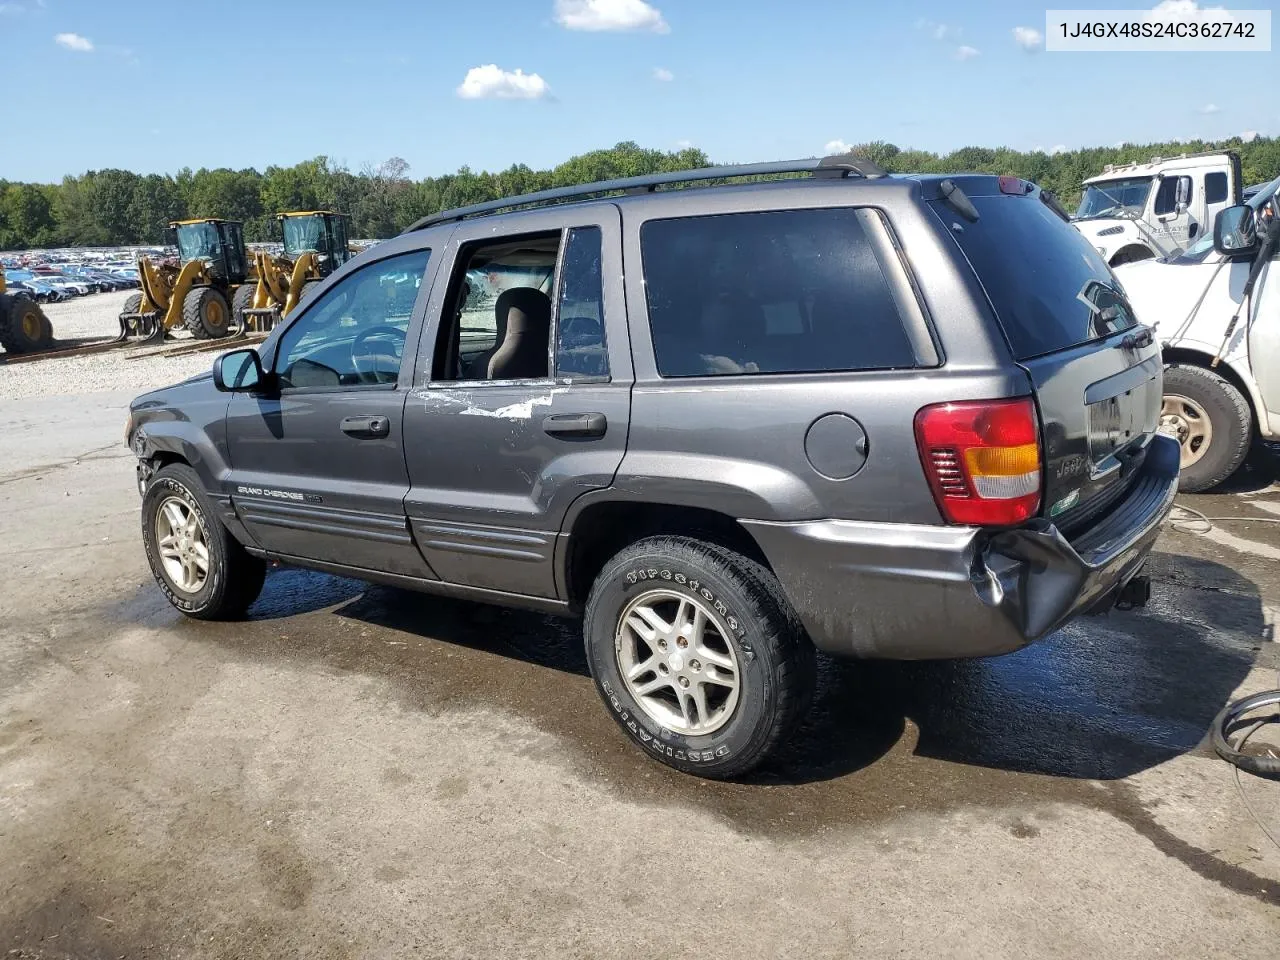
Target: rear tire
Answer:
[[232, 578], [750, 664], [206, 313], [1199, 403], [23, 326]]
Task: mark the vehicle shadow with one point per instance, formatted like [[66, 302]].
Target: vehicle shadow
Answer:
[[1104, 698], [1261, 469]]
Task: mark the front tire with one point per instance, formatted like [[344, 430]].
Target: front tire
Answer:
[[202, 570], [698, 655], [1212, 422], [206, 313]]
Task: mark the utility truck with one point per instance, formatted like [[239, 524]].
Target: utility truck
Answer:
[[1142, 211], [1215, 308]]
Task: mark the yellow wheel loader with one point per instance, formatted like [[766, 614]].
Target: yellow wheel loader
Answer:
[[23, 326], [198, 291], [315, 245]]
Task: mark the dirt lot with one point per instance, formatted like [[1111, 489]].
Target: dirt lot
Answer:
[[362, 772]]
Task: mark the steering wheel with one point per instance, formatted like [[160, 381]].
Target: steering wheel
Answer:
[[369, 371]]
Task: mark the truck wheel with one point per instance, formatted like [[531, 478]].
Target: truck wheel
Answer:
[[698, 655], [199, 566], [1211, 420], [241, 301], [23, 326], [206, 314]]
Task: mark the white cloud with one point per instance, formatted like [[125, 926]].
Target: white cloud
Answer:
[[939, 31], [11, 8], [1249, 135], [73, 41], [1028, 38], [491, 82], [834, 147], [1175, 8], [598, 15], [1057, 148], [663, 75], [684, 144], [967, 52], [1210, 108]]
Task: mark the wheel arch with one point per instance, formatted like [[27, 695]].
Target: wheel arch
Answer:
[[1130, 253], [598, 527], [1226, 369]]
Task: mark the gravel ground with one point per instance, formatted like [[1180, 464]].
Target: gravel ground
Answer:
[[81, 321]]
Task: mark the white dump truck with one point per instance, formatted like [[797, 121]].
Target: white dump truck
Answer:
[[1215, 308], [1138, 211]]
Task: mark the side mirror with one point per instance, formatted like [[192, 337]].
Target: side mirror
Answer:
[[1235, 233], [1183, 196], [239, 371]]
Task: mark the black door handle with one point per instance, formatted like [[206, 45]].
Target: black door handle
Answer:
[[366, 427], [576, 425]]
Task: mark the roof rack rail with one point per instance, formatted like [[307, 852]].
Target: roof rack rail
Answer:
[[838, 166]]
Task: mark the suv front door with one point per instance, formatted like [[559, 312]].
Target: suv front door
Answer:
[[494, 463], [318, 469]]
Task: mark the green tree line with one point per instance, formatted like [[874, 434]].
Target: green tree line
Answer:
[[107, 207]]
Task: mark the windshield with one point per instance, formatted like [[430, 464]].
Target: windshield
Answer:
[[1204, 243], [1115, 197], [197, 241], [303, 234]]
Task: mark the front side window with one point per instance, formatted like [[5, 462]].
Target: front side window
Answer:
[[1170, 190], [790, 291], [354, 334]]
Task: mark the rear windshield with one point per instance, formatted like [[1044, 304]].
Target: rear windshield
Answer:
[[1050, 288]]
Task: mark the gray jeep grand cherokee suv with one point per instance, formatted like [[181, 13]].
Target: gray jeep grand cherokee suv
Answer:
[[903, 417]]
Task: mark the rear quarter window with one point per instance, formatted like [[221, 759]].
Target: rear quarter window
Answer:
[[1049, 287], [791, 291]]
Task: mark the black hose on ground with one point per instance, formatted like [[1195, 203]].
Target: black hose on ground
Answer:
[[1233, 718]]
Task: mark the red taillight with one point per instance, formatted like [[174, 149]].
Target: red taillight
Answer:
[[1015, 186], [982, 458]]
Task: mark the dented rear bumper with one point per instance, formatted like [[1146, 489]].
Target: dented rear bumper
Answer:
[[912, 592]]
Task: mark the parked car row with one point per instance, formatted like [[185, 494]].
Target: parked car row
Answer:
[[52, 275]]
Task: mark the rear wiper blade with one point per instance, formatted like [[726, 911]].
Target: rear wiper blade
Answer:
[[958, 201], [1050, 201]]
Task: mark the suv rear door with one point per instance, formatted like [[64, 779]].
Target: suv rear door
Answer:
[[495, 463], [1097, 373]]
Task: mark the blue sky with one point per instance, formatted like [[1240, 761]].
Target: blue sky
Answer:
[[90, 84]]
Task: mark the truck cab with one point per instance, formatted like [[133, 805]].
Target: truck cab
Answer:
[[1216, 313], [1139, 211]]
